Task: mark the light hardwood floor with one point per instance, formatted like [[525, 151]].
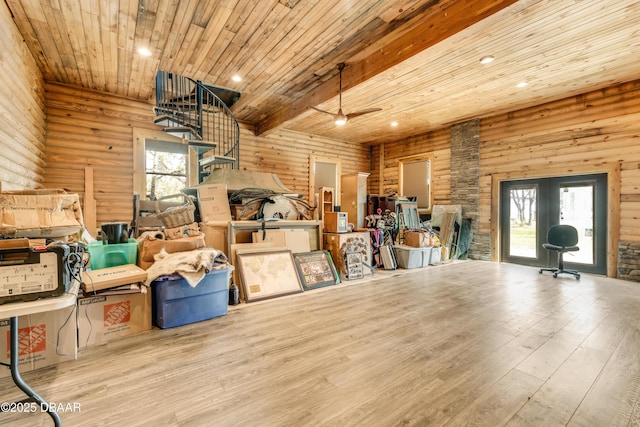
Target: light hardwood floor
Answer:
[[468, 343]]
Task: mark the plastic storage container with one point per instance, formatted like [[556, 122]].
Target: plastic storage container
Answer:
[[410, 257], [104, 255], [435, 257], [176, 303]]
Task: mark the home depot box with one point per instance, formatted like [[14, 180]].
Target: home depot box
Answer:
[[44, 339], [103, 318], [40, 213], [213, 202]]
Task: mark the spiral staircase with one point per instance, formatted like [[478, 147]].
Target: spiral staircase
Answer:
[[189, 109]]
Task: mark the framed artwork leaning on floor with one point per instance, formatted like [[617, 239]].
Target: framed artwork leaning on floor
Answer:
[[316, 269], [267, 274]]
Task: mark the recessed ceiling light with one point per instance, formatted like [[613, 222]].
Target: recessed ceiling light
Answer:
[[522, 84], [144, 51], [236, 78], [486, 59], [394, 124]]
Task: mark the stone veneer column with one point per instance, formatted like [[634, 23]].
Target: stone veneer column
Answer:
[[629, 261], [465, 182]]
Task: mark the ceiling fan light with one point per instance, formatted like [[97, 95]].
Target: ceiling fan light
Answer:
[[340, 121], [486, 59]]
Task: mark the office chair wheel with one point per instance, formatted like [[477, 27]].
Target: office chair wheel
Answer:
[[540, 271], [555, 275], [577, 277]]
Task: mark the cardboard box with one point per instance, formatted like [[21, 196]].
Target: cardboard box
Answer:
[[214, 202], [216, 235], [104, 318], [97, 280], [44, 339], [149, 247], [418, 239], [40, 213], [296, 241]]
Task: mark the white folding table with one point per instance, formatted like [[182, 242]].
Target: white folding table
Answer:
[[12, 311]]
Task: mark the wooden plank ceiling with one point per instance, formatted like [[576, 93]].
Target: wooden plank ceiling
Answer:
[[418, 60]]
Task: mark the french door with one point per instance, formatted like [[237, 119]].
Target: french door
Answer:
[[529, 207]]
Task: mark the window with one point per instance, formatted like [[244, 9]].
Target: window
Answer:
[[415, 180], [165, 168]]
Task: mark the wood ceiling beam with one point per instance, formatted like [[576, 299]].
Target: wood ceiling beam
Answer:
[[442, 21]]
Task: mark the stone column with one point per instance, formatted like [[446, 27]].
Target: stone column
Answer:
[[465, 181]]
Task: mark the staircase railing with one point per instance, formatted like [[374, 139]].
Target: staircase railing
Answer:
[[187, 108]]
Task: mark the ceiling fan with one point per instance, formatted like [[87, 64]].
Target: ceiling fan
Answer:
[[340, 118]]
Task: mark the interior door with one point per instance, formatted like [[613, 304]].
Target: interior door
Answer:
[[530, 207]]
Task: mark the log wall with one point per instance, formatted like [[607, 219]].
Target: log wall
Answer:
[[286, 153], [90, 129], [22, 111], [594, 132], [386, 157]]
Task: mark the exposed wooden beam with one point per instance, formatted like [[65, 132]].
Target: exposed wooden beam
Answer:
[[441, 22]]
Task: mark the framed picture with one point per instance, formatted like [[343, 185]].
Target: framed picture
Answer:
[[354, 265], [316, 269], [267, 274]]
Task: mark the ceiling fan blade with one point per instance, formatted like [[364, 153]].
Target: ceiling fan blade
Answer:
[[322, 111], [361, 112]]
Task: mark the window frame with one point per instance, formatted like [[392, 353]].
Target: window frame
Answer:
[[426, 157], [140, 138]]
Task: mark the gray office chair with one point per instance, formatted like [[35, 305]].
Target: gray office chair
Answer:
[[561, 238]]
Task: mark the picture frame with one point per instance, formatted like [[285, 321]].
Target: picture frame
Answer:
[[410, 215], [267, 274], [316, 269], [355, 269]]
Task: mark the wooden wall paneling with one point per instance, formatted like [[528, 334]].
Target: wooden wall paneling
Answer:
[[586, 132], [89, 210], [97, 130], [581, 111], [22, 115], [286, 153], [583, 134], [630, 201], [437, 144], [91, 129]]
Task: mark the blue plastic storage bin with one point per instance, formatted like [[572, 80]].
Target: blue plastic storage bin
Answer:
[[175, 303]]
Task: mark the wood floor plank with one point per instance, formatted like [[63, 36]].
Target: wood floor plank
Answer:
[[559, 396], [614, 397], [473, 343]]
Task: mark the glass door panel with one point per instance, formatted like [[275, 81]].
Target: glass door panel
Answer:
[[576, 209], [528, 208], [522, 222]]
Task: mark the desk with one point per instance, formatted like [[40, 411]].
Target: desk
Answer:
[[12, 311]]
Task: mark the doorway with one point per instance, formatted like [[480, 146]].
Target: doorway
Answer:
[[528, 208], [324, 172]]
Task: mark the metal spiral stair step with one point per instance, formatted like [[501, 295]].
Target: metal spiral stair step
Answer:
[[216, 160]]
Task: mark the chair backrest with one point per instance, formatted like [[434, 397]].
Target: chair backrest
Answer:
[[562, 235]]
